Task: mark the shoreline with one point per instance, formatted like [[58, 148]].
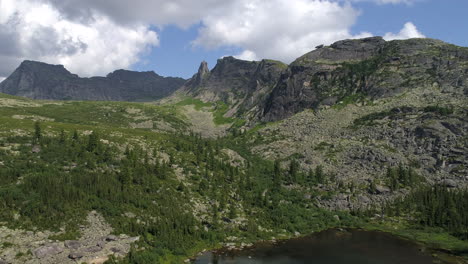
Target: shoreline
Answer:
[[441, 252]]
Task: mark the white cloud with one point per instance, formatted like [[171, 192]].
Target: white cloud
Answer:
[[409, 30], [247, 55], [38, 31], [95, 37], [277, 29], [1, 79], [157, 12]]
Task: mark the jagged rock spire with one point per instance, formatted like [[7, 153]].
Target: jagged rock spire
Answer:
[[203, 71]]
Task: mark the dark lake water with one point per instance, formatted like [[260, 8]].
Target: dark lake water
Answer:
[[328, 247]]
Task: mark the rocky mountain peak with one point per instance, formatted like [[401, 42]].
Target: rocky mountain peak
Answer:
[[131, 75], [40, 80], [43, 68], [359, 44], [369, 68], [203, 69]]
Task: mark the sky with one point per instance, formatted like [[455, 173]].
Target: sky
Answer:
[[95, 37]]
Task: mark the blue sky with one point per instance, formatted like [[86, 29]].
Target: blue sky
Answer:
[[95, 37], [441, 19]]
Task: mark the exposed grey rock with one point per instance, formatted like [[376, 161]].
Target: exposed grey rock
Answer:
[[101, 244], [244, 85], [115, 250], [449, 183], [92, 249], [374, 68], [72, 244], [382, 189], [45, 251], [36, 149], [111, 238], [76, 255], [39, 80]]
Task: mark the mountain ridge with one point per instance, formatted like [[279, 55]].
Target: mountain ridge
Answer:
[[38, 80]]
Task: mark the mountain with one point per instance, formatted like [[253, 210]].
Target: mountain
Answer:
[[39, 80], [243, 85], [357, 107], [363, 133], [370, 67]]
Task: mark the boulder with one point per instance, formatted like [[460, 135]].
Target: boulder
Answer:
[[449, 183], [115, 250], [36, 149], [381, 189], [72, 244], [101, 244], [76, 255], [45, 251], [111, 238]]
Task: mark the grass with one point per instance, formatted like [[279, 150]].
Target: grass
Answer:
[[106, 115], [218, 115], [350, 99], [434, 238], [199, 105], [69, 235]]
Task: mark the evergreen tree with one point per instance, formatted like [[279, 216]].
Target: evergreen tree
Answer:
[[37, 133], [277, 177], [319, 175]]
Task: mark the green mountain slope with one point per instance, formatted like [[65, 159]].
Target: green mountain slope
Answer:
[[367, 133]]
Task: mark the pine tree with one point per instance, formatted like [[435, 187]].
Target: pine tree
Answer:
[[37, 133], [311, 177], [319, 175], [277, 181], [293, 171]]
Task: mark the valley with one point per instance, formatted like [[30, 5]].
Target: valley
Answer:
[[364, 133]]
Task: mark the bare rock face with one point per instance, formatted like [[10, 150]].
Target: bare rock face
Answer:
[[94, 246], [39, 80], [243, 85], [369, 67], [46, 251]]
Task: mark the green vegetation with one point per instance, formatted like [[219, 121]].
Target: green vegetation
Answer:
[[443, 111], [219, 109], [349, 99], [401, 177], [183, 189], [64, 176], [433, 215], [372, 119], [199, 105]]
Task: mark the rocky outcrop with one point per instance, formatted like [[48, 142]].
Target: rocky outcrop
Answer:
[[94, 246], [425, 128], [243, 85], [371, 68], [39, 80], [49, 250]]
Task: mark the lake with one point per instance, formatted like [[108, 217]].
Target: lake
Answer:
[[327, 247]]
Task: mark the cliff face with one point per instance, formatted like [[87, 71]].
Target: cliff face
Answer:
[[39, 80], [370, 68], [243, 85]]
